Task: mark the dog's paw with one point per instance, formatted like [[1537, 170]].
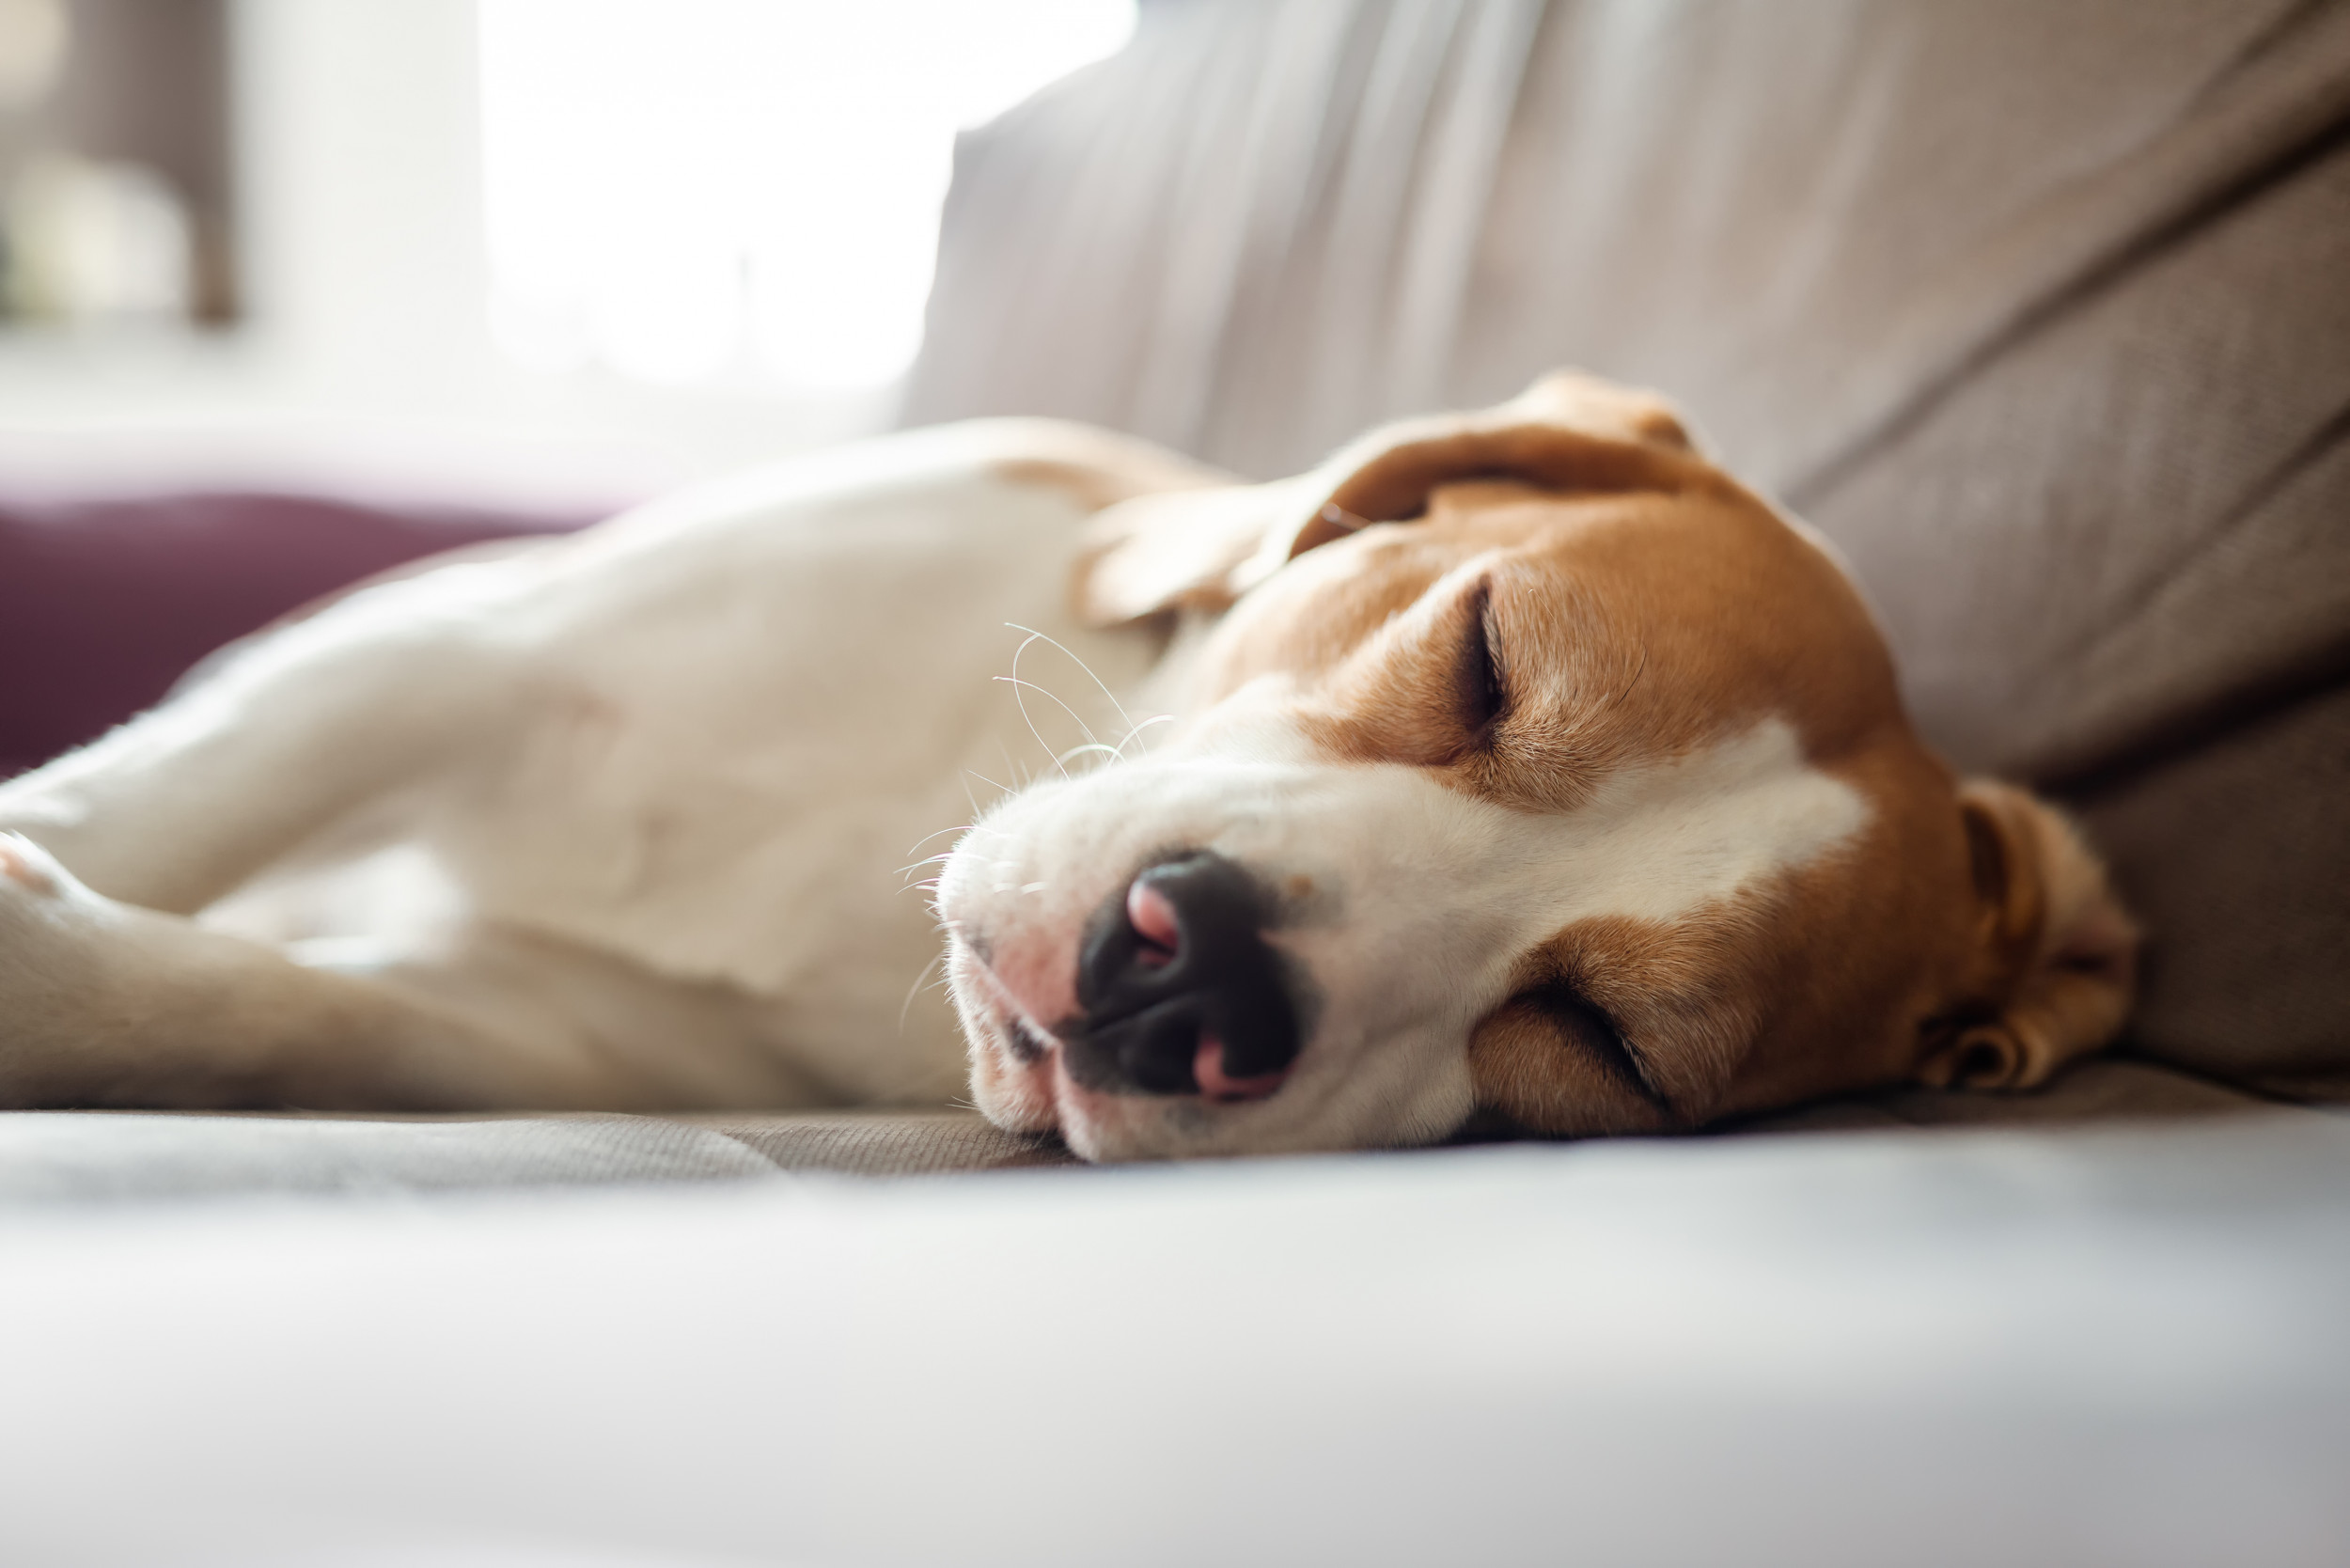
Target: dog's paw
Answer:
[[44, 909], [40, 900], [61, 970], [31, 869]]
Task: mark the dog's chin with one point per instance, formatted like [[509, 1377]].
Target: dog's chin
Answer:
[[1023, 1091], [1020, 1081], [1099, 1126]]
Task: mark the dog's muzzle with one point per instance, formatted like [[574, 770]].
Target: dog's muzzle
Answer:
[[1180, 992]]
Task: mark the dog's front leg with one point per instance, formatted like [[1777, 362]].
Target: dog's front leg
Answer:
[[184, 803], [105, 1004]]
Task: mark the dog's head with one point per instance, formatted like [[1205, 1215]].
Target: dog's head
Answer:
[[1532, 767]]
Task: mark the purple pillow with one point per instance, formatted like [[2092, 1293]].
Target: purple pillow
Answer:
[[104, 603]]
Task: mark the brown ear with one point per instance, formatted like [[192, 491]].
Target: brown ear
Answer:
[[2057, 954], [1183, 549], [1204, 548]]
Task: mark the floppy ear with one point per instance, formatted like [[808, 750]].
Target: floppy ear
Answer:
[[2057, 954], [1183, 549], [1201, 549]]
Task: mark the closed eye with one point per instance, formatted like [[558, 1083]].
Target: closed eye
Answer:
[[1482, 690], [1591, 1029]]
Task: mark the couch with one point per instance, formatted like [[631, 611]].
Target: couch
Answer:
[[2039, 313]]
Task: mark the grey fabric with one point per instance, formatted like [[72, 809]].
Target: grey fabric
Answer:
[[53, 1154], [1269, 225], [49, 1156], [2235, 855], [75, 1155], [2039, 311], [886, 1143], [2098, 1090], [2133, 518]]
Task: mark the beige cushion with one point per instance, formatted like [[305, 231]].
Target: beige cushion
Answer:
[[2038, 310]]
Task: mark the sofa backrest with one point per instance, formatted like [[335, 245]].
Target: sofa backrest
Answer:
[[2042, 313]]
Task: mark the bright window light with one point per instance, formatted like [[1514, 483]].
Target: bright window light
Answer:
[[685, 190]]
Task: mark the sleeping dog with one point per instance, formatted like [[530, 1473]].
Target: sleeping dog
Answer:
[[1518, 764]]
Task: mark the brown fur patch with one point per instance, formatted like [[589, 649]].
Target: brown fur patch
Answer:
[[1092, 486], [1631, 605]]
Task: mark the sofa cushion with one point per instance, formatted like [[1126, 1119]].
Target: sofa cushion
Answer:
[[1963, 1348], [48, 1156], [2037, 311], [2235, 852], [2113, 561]]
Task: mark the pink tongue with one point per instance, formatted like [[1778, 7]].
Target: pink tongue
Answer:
[[1208, 1067]]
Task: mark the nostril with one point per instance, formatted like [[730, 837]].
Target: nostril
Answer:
[[1152, 916], [1207, 1071]]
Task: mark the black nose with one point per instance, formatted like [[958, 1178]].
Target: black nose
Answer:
[[1153, 996]]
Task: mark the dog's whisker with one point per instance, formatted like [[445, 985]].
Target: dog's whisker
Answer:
[[914, 990], [1026, 718], [1081, 751], [925, 860], [1156, 718], [926, 838], [1019, 686], [1015, 682], [1034, 635], [1033, 638]]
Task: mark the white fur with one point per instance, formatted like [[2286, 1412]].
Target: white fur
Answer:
[[674, 780], [1423, 898], [699, 747]]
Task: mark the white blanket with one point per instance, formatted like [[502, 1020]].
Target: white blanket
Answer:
[[2075, 1347]]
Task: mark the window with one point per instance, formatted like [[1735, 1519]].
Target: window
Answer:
[[114, 158], [698, 189]]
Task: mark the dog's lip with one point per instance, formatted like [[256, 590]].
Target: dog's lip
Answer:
[[1028, 1042], [1028, 1039], [1040, 1049]]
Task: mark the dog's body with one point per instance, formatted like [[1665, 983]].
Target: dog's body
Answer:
[[1584, 797]]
